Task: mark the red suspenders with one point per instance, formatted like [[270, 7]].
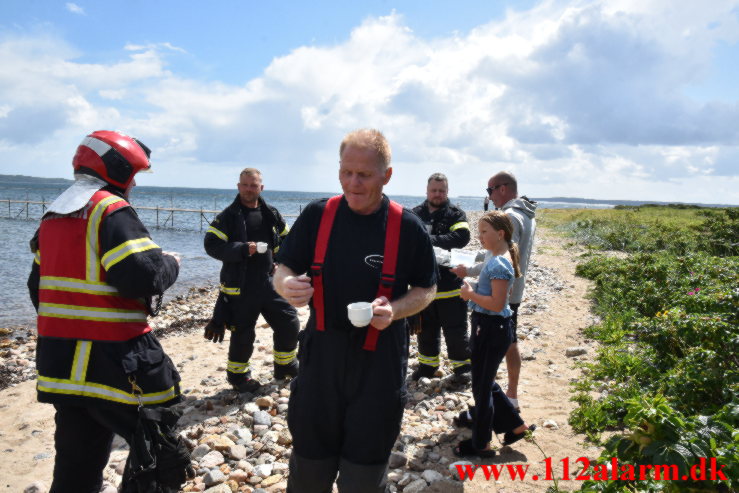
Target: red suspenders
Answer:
[[389, 263]]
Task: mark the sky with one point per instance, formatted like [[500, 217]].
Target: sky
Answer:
[[611, 99]]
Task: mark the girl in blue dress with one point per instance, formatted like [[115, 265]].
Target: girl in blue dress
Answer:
[[491, 335]]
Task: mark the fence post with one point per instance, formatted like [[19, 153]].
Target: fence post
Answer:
[[157, 217]]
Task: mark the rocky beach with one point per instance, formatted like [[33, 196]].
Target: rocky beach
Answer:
[[240, 442]]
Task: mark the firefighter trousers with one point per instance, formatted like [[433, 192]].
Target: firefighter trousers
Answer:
[[346, 408], [449, 314], [279, 314], [82, 440]]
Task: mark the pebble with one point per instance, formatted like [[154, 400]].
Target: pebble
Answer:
[[237, 452], [262, 418], [416, 486], [453, 467], [263, 470], [214, 477], [211, 460], [239, 475], [431, 476], [221, 488], [265, 402], [397, 460], [575, 351]]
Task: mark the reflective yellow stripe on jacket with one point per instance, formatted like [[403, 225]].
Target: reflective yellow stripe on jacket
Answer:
[[99, 391], [73, 285], [441, 295], [97, 314], [117, 254], [218, 233], [459, 225], [93, 227], [230, 291]]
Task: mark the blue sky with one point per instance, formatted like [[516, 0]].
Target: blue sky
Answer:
[[611, 99]]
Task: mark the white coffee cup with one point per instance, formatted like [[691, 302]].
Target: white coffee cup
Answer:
[[360, 313], [261, 247]]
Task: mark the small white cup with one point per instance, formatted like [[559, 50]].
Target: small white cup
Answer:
[[360, 313], [261, 247]]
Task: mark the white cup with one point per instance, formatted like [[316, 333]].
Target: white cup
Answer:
[[360, 313], [261, 247]]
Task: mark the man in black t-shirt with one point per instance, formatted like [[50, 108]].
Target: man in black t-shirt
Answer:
[[246, 287], [347, 402]]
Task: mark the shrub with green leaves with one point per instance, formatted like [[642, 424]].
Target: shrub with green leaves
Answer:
[[667, 371]]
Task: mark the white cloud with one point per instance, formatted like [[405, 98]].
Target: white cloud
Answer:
[[580, 98], [74, 8]]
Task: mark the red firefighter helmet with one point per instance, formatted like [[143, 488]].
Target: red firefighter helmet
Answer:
[[112, 156]]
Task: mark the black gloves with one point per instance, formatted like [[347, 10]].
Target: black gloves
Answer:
[[215, 332]]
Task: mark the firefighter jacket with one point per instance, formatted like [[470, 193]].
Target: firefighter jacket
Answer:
[[226, 239], [93, 275], [448, 229]]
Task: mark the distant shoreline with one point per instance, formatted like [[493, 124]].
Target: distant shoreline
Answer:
[[34, 180]]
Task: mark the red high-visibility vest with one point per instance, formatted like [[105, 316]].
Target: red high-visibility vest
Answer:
[[74, 300], [389, 262]]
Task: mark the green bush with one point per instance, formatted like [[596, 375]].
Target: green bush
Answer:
[[667, 370]]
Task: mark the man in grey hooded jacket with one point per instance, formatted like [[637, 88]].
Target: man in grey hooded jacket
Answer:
[[503, 191]]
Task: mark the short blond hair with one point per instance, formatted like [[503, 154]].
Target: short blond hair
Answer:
[[369, 138], [251, 172]]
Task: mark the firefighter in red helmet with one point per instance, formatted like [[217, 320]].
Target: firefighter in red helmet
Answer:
[[95, 272]]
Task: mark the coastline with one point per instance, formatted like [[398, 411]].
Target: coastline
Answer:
[[252, 455]]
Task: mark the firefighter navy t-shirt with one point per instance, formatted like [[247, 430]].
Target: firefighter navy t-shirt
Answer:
[[258, 264], [353, 262]]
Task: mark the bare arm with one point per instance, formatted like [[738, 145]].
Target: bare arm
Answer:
[[412, 302], [494, 302]]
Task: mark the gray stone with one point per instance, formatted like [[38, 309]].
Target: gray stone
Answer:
[[262, 418], [419, 396], [431, 476], [243, 434], [397, 460], [575, 351], [213, 477], [200, 451], [416, 486], [406, 479]]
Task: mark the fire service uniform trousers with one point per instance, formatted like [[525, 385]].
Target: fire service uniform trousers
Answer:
[[346, 408], [451, 315], [278, 313]]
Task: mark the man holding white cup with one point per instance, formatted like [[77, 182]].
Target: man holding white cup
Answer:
[[346, 404], [244, 237]]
